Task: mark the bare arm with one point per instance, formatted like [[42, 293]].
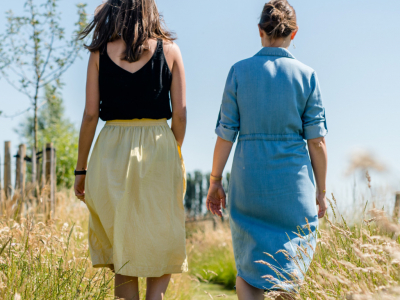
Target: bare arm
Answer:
[[89, 122], [221, 154], [319, 161], [216, 195], [178, 96]]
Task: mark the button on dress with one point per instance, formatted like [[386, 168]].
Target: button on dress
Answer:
[[271, 105]]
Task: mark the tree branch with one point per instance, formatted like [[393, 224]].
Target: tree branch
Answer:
[[16, 114], [16, 87], [58, 72]]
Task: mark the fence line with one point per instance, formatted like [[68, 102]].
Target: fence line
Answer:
[[42, 183]]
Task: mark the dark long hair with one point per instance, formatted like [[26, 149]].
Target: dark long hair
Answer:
[[134, 21]]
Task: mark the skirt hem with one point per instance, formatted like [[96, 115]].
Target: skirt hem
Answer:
[[135, 272]]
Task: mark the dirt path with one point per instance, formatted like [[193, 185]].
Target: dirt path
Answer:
[[213, 290]]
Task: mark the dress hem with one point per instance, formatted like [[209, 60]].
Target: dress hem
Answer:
[[286, 288]]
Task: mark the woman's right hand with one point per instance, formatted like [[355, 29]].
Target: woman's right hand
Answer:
[[216, 198], [79, 187], [322, 204]]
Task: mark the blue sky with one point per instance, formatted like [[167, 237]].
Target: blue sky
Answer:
[[353, 46]]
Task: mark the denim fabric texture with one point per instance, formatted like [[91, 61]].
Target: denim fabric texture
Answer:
[[271, 104]]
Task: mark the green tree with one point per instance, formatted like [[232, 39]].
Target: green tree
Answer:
[[190, 196], [36, 52], [198, 178], [54, 127]]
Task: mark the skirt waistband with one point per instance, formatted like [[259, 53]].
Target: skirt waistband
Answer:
[[138, 122]]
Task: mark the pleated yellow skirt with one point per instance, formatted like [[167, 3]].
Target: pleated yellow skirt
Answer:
[[135, 187]]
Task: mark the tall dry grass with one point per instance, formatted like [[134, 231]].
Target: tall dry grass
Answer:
[[359, 261], [49, 259]]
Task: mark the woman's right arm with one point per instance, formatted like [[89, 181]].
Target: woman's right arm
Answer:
[[89, 122], [319, 161]]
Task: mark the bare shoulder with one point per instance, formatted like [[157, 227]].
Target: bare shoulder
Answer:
[[94, 59], [171, 50], [152, 43]]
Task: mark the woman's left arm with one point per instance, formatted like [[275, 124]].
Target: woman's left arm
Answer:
[[89, 122], [314, 131], [178, 95], [319, 161]]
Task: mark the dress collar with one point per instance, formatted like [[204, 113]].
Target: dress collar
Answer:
[[275, 51]]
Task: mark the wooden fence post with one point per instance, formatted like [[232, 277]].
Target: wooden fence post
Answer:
[[51, 174], [22, 177], [34, 167], [43, 193], [53, 179], [44, 162], [17, 170], [396, 211], [7, 170]]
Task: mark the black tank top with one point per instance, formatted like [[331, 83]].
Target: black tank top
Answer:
[[143, 94]]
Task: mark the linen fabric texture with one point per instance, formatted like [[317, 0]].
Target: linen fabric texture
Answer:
[[135, 187], [271, 104]]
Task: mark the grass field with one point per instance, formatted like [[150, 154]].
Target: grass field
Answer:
[[204, 290], [49, 260]]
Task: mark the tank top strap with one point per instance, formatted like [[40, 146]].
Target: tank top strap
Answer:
[[103, 57], [159, 50]]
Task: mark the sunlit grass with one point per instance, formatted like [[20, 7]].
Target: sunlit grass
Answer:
[[211, 256], [42, 259]]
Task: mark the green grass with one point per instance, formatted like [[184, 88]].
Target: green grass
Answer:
[[211, 256], [204, 290], [50, 260], [41, 261]]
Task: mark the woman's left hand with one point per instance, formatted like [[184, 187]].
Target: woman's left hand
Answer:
[[79, 187], [216, 198]]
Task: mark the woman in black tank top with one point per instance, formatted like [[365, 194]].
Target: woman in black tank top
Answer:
[[135, 182], [142, 94]]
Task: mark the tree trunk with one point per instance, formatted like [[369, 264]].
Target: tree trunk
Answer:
[[35, 124]]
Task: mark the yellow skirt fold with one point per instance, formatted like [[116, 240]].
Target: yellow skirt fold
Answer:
[[135, 187]]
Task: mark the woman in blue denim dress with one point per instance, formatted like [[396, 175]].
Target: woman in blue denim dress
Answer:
[[273, 103]]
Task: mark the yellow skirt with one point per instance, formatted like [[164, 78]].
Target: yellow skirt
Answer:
[[135, 187]]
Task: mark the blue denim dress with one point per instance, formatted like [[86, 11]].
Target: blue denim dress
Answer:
[[273, 103]]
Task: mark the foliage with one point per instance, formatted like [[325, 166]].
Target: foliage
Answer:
[[55, 127], [355, 262], [36, 50], [50, 260], [211, 256]]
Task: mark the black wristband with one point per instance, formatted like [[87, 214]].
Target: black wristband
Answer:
[[80, 172]]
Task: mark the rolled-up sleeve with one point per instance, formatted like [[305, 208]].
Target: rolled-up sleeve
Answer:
[[228, 123], [314, 121]]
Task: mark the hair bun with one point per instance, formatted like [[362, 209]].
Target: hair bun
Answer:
[[278, 19]]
